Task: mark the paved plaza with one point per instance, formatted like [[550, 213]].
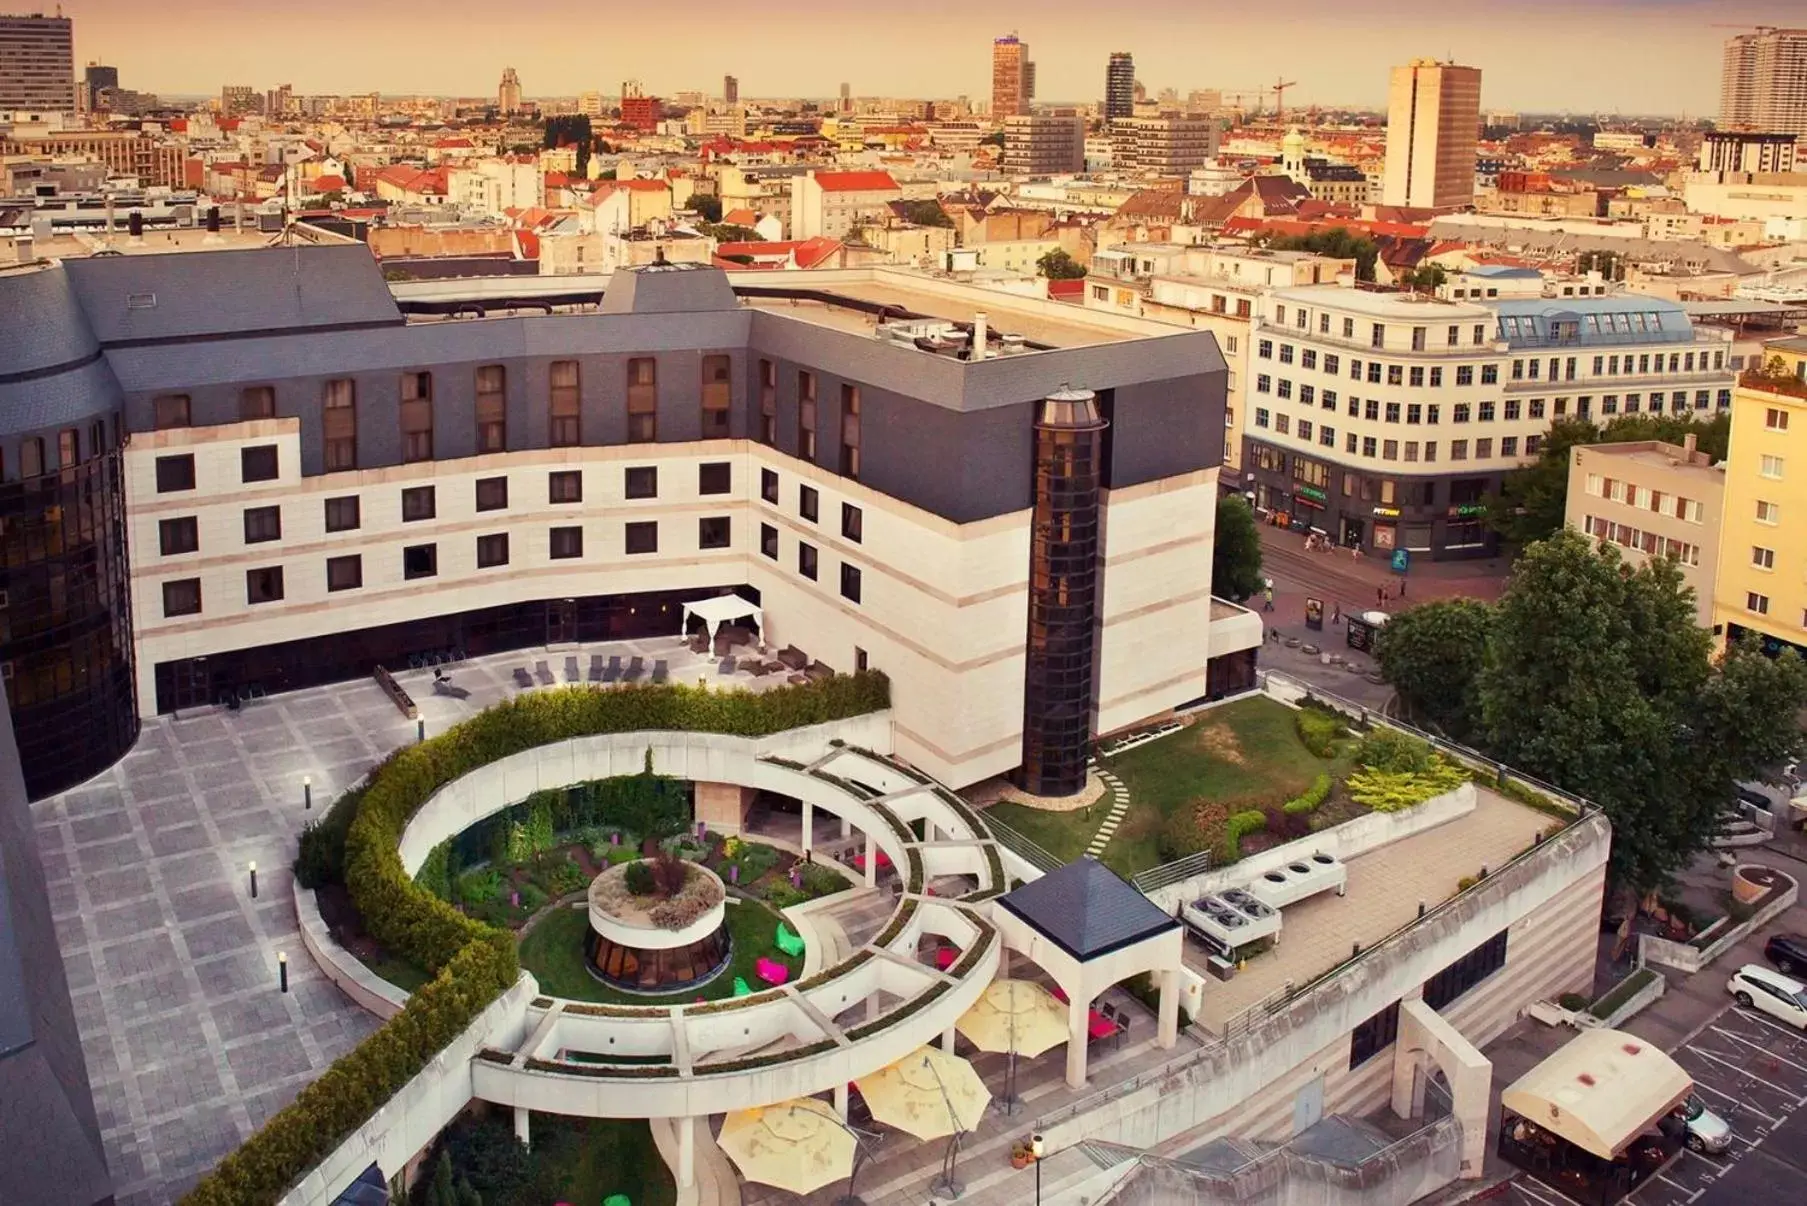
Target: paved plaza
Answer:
[[172, 964]]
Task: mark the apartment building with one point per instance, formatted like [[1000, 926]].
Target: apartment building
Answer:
[[37, 63], [1164, 146], [1762, 582], [1747, 151], [1763, 81], [831, 204], [1652, 499], [1044, 144], [317, 481], [153, 160], [1382, 420]]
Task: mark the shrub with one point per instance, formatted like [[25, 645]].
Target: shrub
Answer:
[[1285, 823], [1574, 1002], [435, 875], [567, 877], [1385, 749], [321, 860], [532, 897], [1316, 794], [1396, 790], [1179, 836], [617, 855], [639, 879], [821, 881], [1318, 731], [476, 887], [1239, 826]]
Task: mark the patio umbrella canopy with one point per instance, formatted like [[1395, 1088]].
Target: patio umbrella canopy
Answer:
[[798, 1145], [1015, 1015], [928, 1093]]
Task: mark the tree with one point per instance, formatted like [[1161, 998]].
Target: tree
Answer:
[[1432, 654], [1236, 551], [351, 181], [1598, 680], [725, 233], [1427, 278], [1337, 243], [709, 207], [924, 213], [1057, 265]]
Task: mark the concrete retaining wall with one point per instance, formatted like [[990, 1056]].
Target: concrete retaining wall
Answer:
[[343, 968], [1684, 958]]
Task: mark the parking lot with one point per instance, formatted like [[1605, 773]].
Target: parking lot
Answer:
[[1752, 1071]]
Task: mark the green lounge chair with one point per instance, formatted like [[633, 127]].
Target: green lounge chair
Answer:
[[740, 987], [788, 942]]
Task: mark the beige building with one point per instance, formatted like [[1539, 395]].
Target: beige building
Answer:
[[1043, 144], [1762, 581], [1652, 500], [1164, 146], [831, 204], [1433, 121]]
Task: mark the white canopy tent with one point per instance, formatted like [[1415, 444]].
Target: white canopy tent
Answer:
[[1600, 1091], [719, 610]]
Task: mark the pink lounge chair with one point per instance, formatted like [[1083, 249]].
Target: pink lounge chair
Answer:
[[771, 971]]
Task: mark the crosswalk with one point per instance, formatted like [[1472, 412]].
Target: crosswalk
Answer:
[[1118, 796]]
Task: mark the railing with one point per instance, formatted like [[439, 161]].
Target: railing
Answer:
[[1022, 847], [1179, 869]]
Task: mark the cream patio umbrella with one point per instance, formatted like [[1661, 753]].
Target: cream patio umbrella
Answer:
[[928, 1094], [798, 1145], [1018, 1017]]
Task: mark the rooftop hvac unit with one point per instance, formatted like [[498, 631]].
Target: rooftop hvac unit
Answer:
[[1299, 879]]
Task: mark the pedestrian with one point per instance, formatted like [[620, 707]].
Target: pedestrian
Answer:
[[1336, 613], [1269, 604], [1380, 597], [1402, 588]]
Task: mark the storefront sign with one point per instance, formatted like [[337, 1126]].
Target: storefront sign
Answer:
[[1387, 512], [1468, 510], [1311, 492], [1305, 500], [1314, 614], [1402, 561]]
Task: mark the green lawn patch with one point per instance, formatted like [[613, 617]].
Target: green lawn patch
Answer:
[[399, 972], [1065, 835], [554, 953], [615, 1156]]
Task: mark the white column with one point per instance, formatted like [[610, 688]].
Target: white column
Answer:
[[1167, 1031], [1078, 1017], [871, 862], [840, 1100], [521, 1115], [846, 829], [947, 1040], [686, 1152], [809, 824]]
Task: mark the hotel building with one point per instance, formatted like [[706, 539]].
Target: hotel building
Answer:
[[257, 471], [1383, 419]]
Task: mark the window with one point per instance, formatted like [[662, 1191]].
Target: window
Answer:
[[714, 532], [1768, 512], [176, 536], [1414, 413], [1377, 335], [31, 460], [1369, 444], [420, 561], [344, 573], [1261, 416], [1411, 450], [806, 560], [1392, 412], [1775, 419], [418, 503], [850, 431], [257, 402], [1418, 339], [173, 472], [1283, 424], [342, 513], [492, 408], [853, 523], [806, 416], [768, 486], [1389, 450], [492, 550], [768, 540], [1436, 378], [1466, 972], [718, 395], [339, 425], [1327, 436], [642, 400], [1430, 450], [1395, 375], [1332, 364], [850, 583], [182, 597], [1329, 399], [564, 486], [1486, 412], [1483, 449], [1264, 384], [263, 585], [1770, 467], [807, 502], [1348, 328], [1512, 409], [1371, 410], [169, 410], [768, 403], [1308, 359], [1285, 389], [715, 477], [566, 408], [1490, 374], [262, 524], [1453, 336], [642, 538], [1756, 603], [68, 448], [1374, 1036], [642, 481], [1458, 450], [1763, 558], [1286, 353], [1374, 372], [417, 417], [1508, 445], [1532, 444], [567, 543], [1305, 430], [1265, 349], [492, 493], [1462, 410], [258, 463]]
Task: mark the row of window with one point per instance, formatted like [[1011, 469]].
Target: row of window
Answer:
[[1377, 331], [1391, 450], [1418, 376], [1412, 413], [1381, 1031], [1386, 491], [809, 505], [1645, 499], [1758, 604], [809, 562], [1650, 543], [70, 449], [565, 412], [1555, 368], [264, 584]]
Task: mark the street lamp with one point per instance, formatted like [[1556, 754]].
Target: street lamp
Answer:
[[1037, 1145], [282, 969]]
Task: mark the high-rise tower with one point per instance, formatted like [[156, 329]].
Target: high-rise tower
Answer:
[[508, 95], [1012, 78], [1120, 86], [1433, 123], [1763, 85]]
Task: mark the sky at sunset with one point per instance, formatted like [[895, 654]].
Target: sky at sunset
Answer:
[[1631, 56]]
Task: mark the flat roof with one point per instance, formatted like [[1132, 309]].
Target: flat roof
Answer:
[[155, 242], [1063, 328], [1658, 455], [1403, 306]]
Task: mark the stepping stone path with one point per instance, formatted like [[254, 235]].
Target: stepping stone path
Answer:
[[1118, 795]]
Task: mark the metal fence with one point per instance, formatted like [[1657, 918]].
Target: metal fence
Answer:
[[1172, 873], [1021, 846]]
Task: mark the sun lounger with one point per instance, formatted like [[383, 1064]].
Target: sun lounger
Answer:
[[596, 667], [613, 673], [793, 657], [572, 673], [522, 679], [661, 672], [543, 672], [635, 668]]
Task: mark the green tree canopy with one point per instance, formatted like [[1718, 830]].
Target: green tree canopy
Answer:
[[709, 207], [1532, 500], [1432, 654], [1057, 265], [1336, 242], [925, 213], [1236, 552], [1598, 679]]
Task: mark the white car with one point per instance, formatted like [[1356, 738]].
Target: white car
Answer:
[[1756, 987]]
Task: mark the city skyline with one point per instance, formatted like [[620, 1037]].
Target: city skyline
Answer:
[[1637, 56]]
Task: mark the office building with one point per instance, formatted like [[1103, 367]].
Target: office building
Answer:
[[1383, 420], [640, 111], [1747, 151], [730, 91], [1044, 144], [1163, 146], [1762, 584], [95, 80], [1652, 499], [37, 63], [1012, 78], [1433, 122], [846, 98], [590, 104], [240, 100], [508, 93], [1763, 84], [1120, 86]]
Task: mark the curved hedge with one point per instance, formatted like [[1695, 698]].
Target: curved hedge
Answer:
[[473, 963]]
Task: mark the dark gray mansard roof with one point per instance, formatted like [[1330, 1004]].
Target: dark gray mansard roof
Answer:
[[1087, 909], [41, 323]]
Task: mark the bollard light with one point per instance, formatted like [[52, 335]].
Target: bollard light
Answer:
[[420, 730], [1037, 1148], [253, 869], [307, 792], [282, 969]]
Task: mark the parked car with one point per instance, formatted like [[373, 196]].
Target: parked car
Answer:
[[1705, 1131], [1788, 952], [1756, 987], [1755, 799]]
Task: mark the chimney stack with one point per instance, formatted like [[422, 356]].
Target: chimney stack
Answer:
[[980, 334], [23, 246], [134, 224], [1688, 443]]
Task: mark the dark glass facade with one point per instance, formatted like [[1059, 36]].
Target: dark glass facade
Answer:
[[1059, 677], [657, 971], [65, 624]]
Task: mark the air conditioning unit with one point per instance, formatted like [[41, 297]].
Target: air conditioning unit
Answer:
[[1299, 879]]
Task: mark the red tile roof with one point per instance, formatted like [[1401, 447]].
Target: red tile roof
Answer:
[[740, 217], [855, 182], [328, 184], [807, 253]]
